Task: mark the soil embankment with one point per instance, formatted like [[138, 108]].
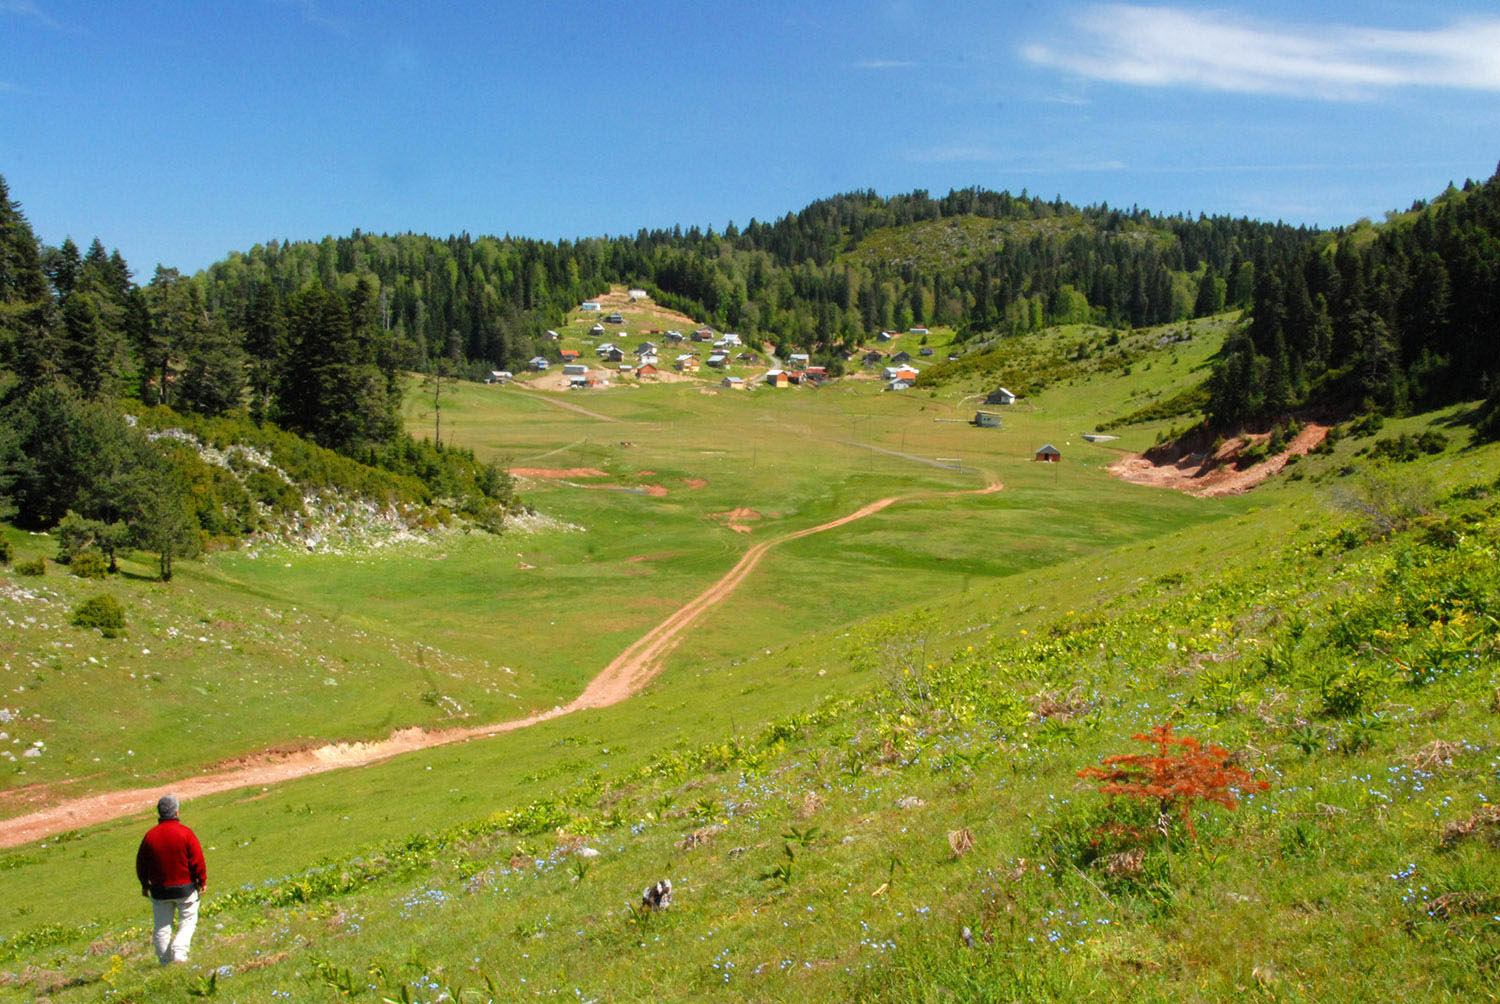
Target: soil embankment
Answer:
[[1198, 468]]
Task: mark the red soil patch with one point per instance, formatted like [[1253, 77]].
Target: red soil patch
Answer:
[[645, 474], [1181, 467], [557, 472], [656, 490], [663, 556], [695, 482]]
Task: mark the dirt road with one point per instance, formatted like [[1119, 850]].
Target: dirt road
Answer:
[[627, 674]]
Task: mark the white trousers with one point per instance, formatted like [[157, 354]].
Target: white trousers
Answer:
[[174, 947]]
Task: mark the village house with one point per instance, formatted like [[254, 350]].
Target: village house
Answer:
[[588, 306], [626, 369], [916, 331], [637, 294], [646, 369], [718, 360], [538, 363], [604, 348], [988, 420], [596, 330], [645, 348], [777, 378], [871, 358], [1049, 454], [1000, 396], [746, 357], [568, 355], [733, 383], [925, 350], [817, 374], [885, 336], [704, 335], [575, 369], [647, 358], [898, 385], [730, 338], [673, 336], [499, 376], [551, 335], [615, 355], [577, 381], [686, 364], [906, 373], [901, 357], [799, 359]]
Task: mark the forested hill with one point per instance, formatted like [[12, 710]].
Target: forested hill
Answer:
[[1406, 316], [834, 273]]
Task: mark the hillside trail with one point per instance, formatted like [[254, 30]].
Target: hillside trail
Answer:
[[627, 674]]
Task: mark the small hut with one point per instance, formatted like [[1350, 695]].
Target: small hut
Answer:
[[1049, 454]]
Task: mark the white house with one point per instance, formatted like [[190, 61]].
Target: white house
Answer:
[[588, 305], [637, 294], [538, 363], [799, 360], [718, 360], [576, 369]]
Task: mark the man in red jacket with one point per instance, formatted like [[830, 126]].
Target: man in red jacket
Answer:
[[172, 872]]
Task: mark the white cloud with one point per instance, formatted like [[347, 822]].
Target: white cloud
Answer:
[[28, 9], [1173, 47]]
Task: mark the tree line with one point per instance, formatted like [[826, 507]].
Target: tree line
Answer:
[[1384, 320], [806, 279], [89, 360]]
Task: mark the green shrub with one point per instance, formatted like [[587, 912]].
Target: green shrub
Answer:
[[5, 552], [103, 612], [89, 565], [37, 566]]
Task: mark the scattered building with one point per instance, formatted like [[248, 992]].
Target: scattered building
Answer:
[[704, 335], [871, 358], [615, 318], [733, 383], [673, 336], [898, 385], [646, 369], [777, 378], [988, 420], [575, 369], [568, 355], [597, 330], [551, 335], [925, 351], [1000, 396], [499, 376], [885, 336], [615, 355], [588, 306], [538, 363], [799, 359], [637, 294], [901, 357], [1049, 454], [686, 364], [718, 360], [916, 331], [907, 373]]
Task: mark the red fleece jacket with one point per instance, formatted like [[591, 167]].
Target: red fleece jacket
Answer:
[[170, 855]]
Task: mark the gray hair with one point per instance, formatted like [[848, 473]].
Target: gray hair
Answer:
[[166, 807]]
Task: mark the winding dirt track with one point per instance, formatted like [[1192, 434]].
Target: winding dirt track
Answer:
[[627, 674]]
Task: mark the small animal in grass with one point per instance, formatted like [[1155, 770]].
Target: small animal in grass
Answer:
[[658, 896]]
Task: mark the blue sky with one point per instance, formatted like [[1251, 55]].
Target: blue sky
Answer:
[[179, 132]]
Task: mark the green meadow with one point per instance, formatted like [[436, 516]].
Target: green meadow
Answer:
[[859, 770]]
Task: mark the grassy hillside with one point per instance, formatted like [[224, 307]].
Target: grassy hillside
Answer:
[[870, 748]]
